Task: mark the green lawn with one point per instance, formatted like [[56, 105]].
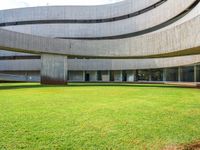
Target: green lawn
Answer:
[[97, 117]]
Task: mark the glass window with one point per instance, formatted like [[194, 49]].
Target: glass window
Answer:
[[143, 75], [157, 75], [99, 77], [172, 74], [198, 73], [112, 76], [187, 74]]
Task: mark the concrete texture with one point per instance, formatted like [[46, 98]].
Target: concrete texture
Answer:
[[53, 69], [134, 24], [176, 45], [76, 12], [104, 64], [179, 40]]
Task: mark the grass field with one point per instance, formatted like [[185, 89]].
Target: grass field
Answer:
[[95, 117]]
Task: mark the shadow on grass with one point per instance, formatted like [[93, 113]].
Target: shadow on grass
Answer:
[[142, 85], [24, 86], [71, 85]]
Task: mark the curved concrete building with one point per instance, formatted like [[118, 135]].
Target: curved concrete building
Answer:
[[128, 41]]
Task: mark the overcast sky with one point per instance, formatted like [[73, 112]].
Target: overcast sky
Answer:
[[7, 4]]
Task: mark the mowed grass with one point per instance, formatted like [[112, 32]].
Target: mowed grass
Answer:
[[97, 116]]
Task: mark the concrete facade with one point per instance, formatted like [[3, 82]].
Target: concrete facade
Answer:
[[105, 29], [53, 69], [126, 41]]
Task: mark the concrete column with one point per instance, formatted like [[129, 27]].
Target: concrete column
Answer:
[[135, 75], [108, 75], [150, 75], [179, 74], [121, 74], [53, 69], [26, 75], [96, 76], [195, 73], [83, 76], [164, 74]]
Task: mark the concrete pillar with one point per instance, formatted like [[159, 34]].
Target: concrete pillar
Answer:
[[135, 75], [195, 73], [150, 79], [26, 76], [179, 74], [96, 76], [198, 73], [121, 76], [164, 74], [53, 69], [108, 75], [83, 76]]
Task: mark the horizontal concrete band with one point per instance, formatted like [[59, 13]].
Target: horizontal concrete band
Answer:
[[103, 64], [130, 27], [179, 39], [77, 12], [75, 21]]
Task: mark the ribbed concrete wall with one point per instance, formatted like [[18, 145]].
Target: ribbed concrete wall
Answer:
[[143, 21], [193, 13], [176, 40], [104, 64], [20, 65], [76, 12], [53, 69]]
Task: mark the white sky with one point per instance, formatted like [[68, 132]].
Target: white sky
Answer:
[[7, 4]]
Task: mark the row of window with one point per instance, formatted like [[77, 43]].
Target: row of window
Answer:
[[183, 74], [17, 57]]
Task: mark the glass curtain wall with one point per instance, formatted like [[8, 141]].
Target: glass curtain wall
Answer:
[[99, 76], [157, 75], [198, 73], [143, 75], [124, 75], [187, 74], [172, 74], [112, 78]]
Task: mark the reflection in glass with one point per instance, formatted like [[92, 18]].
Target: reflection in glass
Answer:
[[157, 75], [198, 73], [172, 74], [143, 75], [187, 74]]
